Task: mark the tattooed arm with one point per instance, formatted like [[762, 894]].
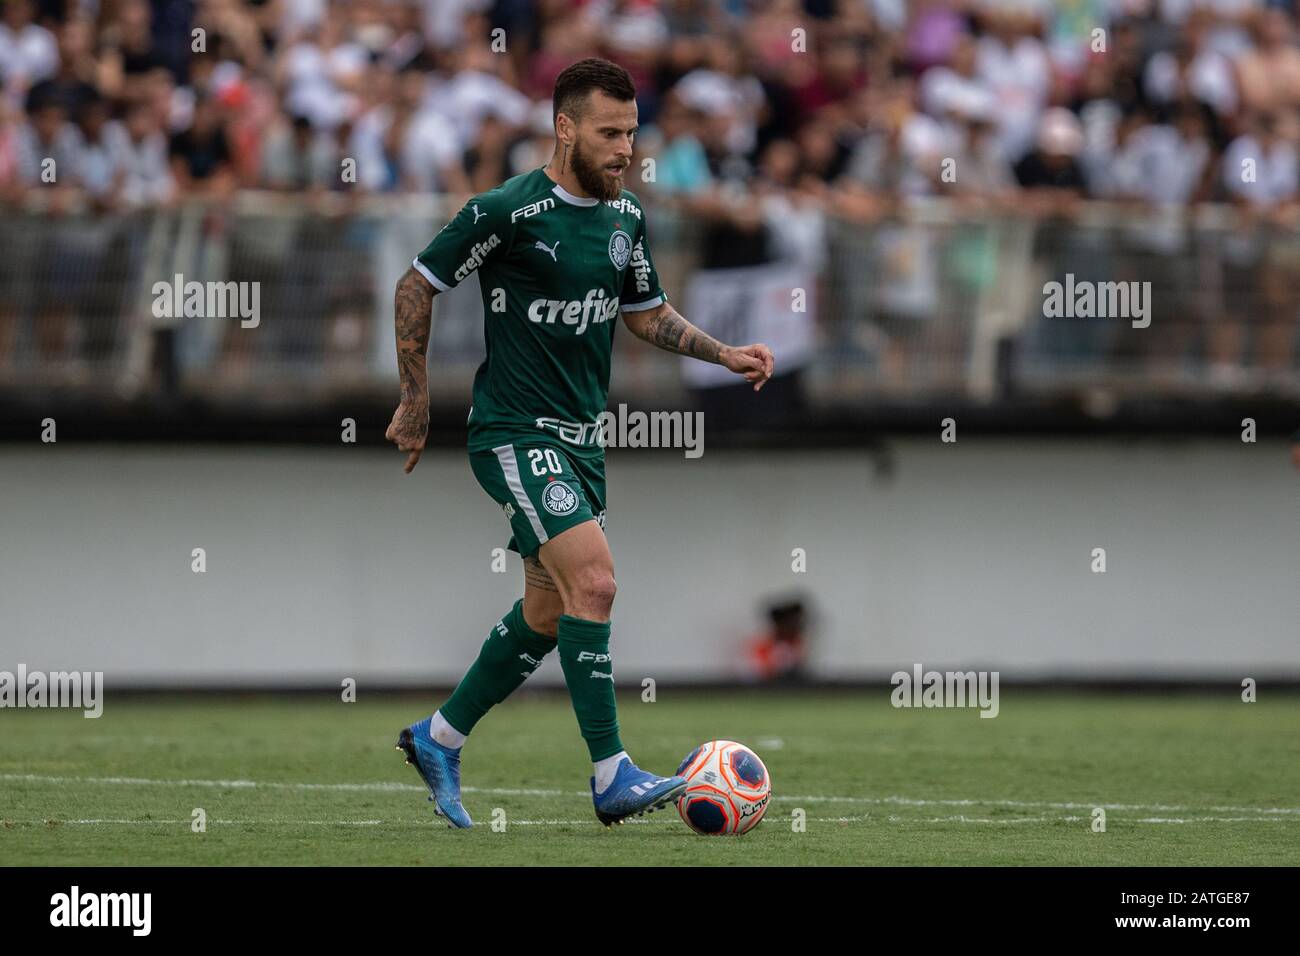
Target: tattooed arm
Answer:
[[664, 327], [413, 317]]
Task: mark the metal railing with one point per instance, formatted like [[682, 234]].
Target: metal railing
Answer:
[[938, 301]]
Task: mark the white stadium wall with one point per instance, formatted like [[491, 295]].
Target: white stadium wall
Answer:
[[330, 563]]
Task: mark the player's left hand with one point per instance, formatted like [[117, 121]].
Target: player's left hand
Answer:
[[755, 362]]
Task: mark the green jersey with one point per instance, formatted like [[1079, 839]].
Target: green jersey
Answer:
[[555, 270]]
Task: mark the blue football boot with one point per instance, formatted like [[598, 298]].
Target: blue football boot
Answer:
[[439, 766], [634, 792]]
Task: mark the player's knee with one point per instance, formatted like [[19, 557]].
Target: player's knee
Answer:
[[545, 622], [593, 594]]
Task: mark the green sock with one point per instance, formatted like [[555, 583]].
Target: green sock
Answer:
[[585, 658], [511, 652]]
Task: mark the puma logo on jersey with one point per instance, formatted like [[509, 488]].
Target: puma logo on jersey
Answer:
[[602, 674], [548, 249], [477, 215]]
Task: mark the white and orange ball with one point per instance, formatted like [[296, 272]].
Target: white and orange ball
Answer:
[[727, 791]]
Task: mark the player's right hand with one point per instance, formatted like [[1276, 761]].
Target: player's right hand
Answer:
[[409, 429]]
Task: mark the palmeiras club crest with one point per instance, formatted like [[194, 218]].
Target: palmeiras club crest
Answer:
[[558, 498], [620, 249]]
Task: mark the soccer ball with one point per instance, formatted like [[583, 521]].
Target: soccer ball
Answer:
[[727, 788]]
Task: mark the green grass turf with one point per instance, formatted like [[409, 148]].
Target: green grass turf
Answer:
[[854, 764]]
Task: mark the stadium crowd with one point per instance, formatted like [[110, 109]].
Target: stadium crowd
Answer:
[[1156, 100]]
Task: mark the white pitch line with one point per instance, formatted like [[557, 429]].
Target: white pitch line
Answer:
[[420, 824], [222, 784], [145, 823], [962, 818], [1051, 805], [274, 785], [1208, 820], [384, 786]]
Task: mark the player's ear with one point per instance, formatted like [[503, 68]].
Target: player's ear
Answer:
[[564, 128]]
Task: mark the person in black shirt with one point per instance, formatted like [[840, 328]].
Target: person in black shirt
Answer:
[[201, 154], [73, 86]]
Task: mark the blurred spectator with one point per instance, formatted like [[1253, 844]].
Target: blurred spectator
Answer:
[[958, 90], [726, 93], [1052, 169], [130, 58], [792, 198], [980, 169], [474, 92], [74, 83], [902, 149], [28, 51], [296, 157], [11, 184], [50, 148], [779, 654], [201, 158], [1270, 72], [1014, 65], [321, 73], [1192, 71], [1261, 175], [681, 164], [146, 175], [1259, 167], [104, 144]]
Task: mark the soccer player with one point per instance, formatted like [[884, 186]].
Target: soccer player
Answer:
[[561, 253]]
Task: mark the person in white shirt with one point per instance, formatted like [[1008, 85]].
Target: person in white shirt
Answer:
[[1014, 65], [1262, 177], [28, 52]]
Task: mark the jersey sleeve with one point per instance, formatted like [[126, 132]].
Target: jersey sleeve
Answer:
[[641, 289], [473, 236]]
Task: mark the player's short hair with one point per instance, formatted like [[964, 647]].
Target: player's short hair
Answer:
[[574, 84]]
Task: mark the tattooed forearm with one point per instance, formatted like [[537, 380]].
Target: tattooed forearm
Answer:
[[537, 576], [413, 313], [665, 328]]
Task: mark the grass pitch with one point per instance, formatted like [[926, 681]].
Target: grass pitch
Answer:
[[295, 780]]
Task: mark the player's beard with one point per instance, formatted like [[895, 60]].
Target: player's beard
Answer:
[[594, 180]]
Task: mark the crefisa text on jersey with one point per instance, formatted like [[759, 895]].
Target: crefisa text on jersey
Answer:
[[593, 307]]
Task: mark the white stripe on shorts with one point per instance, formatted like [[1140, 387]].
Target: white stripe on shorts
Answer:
[[510, 468]]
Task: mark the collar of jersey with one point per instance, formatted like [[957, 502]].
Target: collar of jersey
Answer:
[[572, 199]]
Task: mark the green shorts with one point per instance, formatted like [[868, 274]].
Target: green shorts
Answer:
[[542, 488]]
